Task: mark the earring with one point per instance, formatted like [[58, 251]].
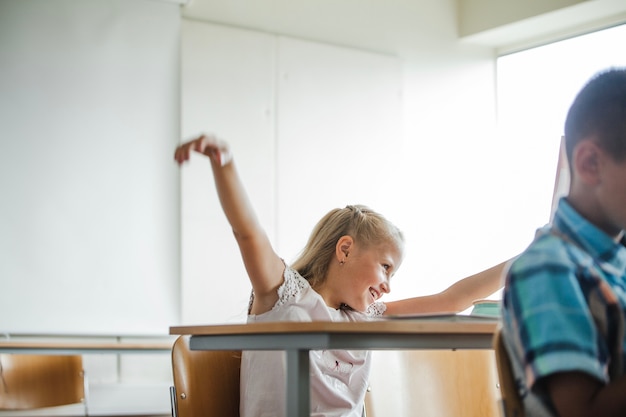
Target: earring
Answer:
[[344, 259]]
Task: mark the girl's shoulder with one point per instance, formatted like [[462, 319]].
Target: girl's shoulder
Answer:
[[292, 288], [298, 301], [377, 309], [295, 288]]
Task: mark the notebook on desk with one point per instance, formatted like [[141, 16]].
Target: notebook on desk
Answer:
[[453, 317]]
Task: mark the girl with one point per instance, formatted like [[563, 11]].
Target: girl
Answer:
[[343, 270]]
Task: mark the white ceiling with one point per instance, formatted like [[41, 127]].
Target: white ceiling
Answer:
[[389, 26], [397, 26]]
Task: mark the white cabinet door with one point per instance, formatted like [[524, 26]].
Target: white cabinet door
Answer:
[[313, 127], [339, 134]]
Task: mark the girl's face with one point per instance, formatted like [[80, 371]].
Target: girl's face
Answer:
[[366, 273]]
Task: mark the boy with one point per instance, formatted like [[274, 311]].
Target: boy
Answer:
[[565, 296]]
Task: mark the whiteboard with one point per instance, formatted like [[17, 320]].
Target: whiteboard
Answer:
[[88, 189]]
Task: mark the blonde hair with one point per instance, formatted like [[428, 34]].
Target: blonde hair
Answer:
[[364, 225]]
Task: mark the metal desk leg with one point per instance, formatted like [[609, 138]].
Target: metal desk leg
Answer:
[[298, 383]]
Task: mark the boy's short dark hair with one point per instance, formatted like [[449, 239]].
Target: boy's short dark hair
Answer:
[[600, 109]]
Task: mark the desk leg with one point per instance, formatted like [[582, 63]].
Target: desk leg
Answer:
[[298, 383]]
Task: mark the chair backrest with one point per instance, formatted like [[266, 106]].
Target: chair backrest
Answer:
[[35, 381], [206, 383], [511, 402]]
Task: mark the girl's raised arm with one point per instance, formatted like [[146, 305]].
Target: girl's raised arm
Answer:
[[456, 298], [265, 268]]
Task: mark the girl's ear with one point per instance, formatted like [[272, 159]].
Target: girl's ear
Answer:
[[587, 155], [343, 247]]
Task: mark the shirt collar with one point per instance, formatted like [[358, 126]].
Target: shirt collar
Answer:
[[593, 240]]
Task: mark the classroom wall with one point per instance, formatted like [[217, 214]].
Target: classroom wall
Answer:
[[89, 117], [456, 200], [448, 113]]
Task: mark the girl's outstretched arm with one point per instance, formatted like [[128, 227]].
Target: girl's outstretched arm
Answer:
[[265, 268], [457, 297]]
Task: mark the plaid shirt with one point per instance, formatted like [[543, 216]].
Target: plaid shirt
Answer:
[[564, 303]]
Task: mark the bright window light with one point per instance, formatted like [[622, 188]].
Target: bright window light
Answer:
[[535, 89]]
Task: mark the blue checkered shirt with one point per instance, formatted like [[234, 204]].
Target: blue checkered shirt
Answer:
[[564, 303]]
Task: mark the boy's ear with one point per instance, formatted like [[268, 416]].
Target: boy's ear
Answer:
[[587, 155]]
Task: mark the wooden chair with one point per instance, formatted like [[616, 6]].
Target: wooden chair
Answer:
[[29, 382], [511, 402], [206, 383]]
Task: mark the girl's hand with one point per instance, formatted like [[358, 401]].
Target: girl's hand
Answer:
[[217, 150]]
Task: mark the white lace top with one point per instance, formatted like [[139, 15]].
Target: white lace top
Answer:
[[339, 378]]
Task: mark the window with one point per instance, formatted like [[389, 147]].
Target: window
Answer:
[[535, 89]]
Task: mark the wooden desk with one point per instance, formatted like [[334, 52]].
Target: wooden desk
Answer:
[[297, 339]]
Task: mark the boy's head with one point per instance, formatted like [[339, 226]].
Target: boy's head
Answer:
[[595, 143], [599, 111]]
